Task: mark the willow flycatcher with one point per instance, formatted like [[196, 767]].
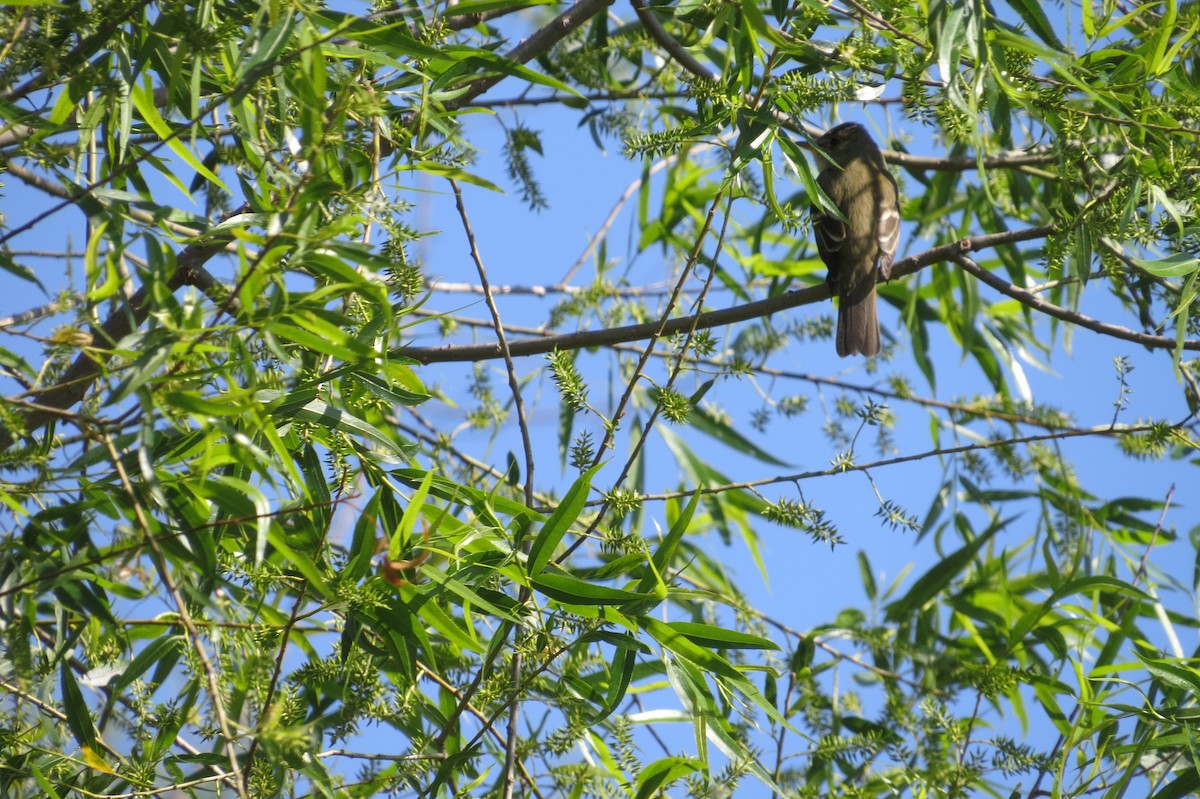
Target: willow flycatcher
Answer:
[[856, 178]]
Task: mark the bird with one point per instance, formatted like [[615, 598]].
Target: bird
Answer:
[[856, 178]]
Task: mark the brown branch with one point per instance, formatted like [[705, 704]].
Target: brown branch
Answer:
[[648, 290], [669, 43], [592, 97], [989, 411], [709, 319], [539, 42], [932, 163], [51, 402], [1031, 300]]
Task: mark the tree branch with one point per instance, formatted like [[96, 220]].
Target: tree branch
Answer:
[[676, 50], [709, 319], [1008, 160], [1103, 431], [538, 43], [51, 402], [1031, 300]]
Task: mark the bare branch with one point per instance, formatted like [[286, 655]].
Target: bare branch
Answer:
[[1102, 431], [709, 319], [1031, 300], [669, 43], [538, 43]]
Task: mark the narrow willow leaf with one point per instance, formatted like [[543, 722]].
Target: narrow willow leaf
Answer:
[[470, 595], [560, 521], [404, 534], [79, 720], [323, 414], [652, 581], [936, 579], [661, 773], [572, 590], [716, 666], [712, 637], [1033, 15], [1180, 264], [143, 99], [713, 426], [38, 776]]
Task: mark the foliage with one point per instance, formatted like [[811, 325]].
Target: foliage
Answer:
[[245, 553]]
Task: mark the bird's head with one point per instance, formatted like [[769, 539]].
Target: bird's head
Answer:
[[846, 142]]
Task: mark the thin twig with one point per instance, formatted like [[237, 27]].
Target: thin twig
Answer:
[[193, 634], [636, 375], [657, 330], [1103, 431], [514, 384], [373, 756], [625, 197], [676, 368]]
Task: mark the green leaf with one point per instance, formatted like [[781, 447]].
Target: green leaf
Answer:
[[141, 371], [389, 391], [620, 674], [566, 514], [474, 61], [661, 773], [574, 591], [1178, 676], [469, 594], [707, 635], [934, 581], [675, 641], [480, 501], [143, 99], [263, 50], [166, 648], [303, 564], [665, 552], [403, 536], [481, 6], [320, 338], [715, 427], [1186, 783], [454, 173], [1033, 15], [1081, 585], [79, 720], [301, 408], [1180, 264]]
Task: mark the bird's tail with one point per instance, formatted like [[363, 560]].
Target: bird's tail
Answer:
[[858, 326]]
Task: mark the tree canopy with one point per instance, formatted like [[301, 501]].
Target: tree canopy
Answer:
[[283, 516]]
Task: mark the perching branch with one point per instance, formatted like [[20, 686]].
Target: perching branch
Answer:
[[709, 319]]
